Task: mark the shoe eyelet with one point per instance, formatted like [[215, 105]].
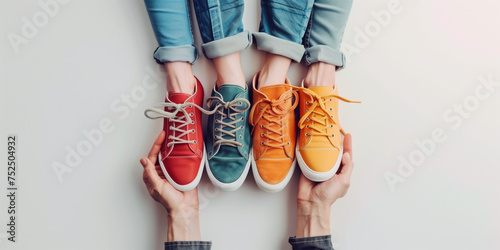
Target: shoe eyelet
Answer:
[[307, 110], [307, 103], [333, 135], [262, 134], [262, 143], [307, 126], [288, 143], [194, 141], [307, 119], [262, 125], [214, 136], [331, 126], [192, 131], [331, 116], [241, 136], [192, 121], [241, 126], [306, 134], [191, 114], [330, 99], [331, 109]]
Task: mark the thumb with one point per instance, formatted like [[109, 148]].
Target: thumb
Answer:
[[347, 157], [144, 162], [347, 165]]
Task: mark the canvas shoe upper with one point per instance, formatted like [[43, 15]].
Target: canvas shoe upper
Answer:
[[228, 136], [182, 154], [274, 135], [319, 147]]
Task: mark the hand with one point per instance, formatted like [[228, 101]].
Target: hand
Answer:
[[182, 207], [314, 200]]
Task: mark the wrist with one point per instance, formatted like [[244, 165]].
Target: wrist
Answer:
[[183, 225], [312, 219]]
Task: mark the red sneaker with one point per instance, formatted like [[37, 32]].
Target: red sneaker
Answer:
[[182, 155]]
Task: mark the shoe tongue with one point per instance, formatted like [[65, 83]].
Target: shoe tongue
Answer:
[[229, 91], [321, 90], [228, 151], [275, 91], [178, 98]]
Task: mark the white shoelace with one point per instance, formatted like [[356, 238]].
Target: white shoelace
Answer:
[[233, 107], [184, 119]]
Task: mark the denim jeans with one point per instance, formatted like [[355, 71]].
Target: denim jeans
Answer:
[[307, 243], [313, 28], [220, 23], [291, 28], [188, 245], [312, 243], [325, 32]]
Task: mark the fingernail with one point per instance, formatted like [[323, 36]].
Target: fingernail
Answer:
[[347, 155], [143, 162]]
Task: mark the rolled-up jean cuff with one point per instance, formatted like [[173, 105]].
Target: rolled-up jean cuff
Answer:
[[317, 242], [184, 53], [227, 45], [188, 245], [279, 46], [323, 53]]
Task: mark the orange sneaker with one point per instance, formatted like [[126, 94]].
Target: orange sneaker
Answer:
[[319, 147], [274, 134]]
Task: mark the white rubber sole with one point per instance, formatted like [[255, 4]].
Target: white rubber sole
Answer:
[[191, 185], [317, 176], [270, 188], [233, 185]]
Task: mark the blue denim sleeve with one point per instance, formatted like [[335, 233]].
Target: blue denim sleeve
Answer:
[[188, 245], [312, 243]]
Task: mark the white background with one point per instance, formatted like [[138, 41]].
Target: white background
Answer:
[[413, 70]]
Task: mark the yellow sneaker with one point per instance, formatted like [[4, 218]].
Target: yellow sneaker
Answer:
[[319, 146]]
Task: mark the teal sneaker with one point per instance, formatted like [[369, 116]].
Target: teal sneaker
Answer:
[[228, 137]]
